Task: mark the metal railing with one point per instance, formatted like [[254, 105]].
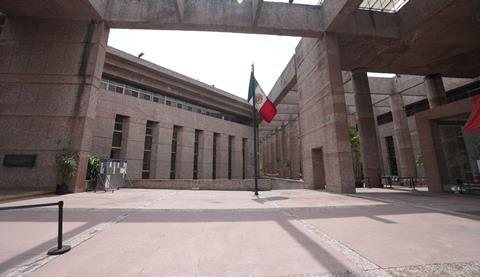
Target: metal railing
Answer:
[[60, 249], [412, 182]]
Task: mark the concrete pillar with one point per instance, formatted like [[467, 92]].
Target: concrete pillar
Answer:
[[285, 153], [185, 148], [205, 151], [222, 157], [249, 159], [279, 152], [288, 151], [402, 136], [323, 113], [237, 158], [435, 90], [295, 149], [162, 151], [267, 155], [263, 157], [133, 145], [50, 72], [273, 150], [367, 128]]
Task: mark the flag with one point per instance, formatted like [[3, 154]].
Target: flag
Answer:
[[263, 105], [473, 123]]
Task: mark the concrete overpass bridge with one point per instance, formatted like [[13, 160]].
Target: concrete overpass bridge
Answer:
[[52, 56]]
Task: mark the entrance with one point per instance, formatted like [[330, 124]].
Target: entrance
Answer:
[[458, 153], [318, 169]]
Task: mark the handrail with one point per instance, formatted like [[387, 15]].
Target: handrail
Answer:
[[60, 249]]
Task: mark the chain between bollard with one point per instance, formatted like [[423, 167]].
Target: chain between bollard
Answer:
[[60, 249]]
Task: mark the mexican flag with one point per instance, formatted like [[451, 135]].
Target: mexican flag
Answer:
[[263, 105]]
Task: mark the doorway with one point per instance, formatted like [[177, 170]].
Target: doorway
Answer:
[[318, 169]]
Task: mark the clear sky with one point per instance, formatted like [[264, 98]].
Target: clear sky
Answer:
[[220, 59]]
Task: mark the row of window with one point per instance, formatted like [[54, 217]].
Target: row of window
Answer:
[[118, 137], [454, 95], [136, 92]]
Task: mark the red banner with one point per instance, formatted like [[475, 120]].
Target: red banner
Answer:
[[473, 123]]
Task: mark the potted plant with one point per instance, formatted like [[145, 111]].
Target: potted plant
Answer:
[[67, 167], [93, 169]]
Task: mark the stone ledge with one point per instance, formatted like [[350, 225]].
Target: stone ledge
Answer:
[[202, 184]]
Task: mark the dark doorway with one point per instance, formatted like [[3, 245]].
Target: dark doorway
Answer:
[[392, 157], [318, 169]]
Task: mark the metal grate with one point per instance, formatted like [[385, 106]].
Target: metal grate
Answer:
[[388, 6]]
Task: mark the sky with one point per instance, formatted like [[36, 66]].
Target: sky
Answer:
[[220, 59]]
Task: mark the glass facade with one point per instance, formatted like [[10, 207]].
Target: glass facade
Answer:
[[196, 145], [117, 137], [214, 155], [230, 155], [136, 92], [392, 157], [458, 153], [244, 157], [147, 152], [173, 157]]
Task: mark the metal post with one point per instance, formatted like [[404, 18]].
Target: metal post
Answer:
[[60, 249]]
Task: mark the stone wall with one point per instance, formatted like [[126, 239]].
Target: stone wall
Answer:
[[204, 184], [138, 111]]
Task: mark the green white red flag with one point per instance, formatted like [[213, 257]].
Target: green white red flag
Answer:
[[263, 105], [473, 123]]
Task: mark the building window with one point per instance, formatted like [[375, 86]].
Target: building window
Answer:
[[173, 158], [244, 157], [195, 153], [230, 146], [392, 157], [417, 107], [147, 152], [214, 156], [384, 118], [117, 137]]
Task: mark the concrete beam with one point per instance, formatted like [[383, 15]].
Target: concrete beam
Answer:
[[257, 8], [180, 8], [214, 15], [286, 109], [416, 13], [285, 82], [336, 12], [54, 9]]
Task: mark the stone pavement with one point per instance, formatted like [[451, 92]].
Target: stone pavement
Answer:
[[375, 232]]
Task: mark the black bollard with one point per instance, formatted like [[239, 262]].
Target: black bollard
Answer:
[[60, 249]]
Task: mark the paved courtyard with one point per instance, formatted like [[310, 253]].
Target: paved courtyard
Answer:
[[215, 233]]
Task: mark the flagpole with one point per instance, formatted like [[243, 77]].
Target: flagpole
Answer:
[[255, 168]]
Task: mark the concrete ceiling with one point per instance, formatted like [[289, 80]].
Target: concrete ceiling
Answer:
[[424, 37]]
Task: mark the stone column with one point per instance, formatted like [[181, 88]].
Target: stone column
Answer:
[[185, 148], [435, 90], [367, 128], [285, 153], [222, 157], [205, 158], [133, 145], [273, 150], [295, 149], [402, 136], [50, 72], [323, 112], [163, 151], [263, 157], [278, 150], [267, 155], [237, 158]]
